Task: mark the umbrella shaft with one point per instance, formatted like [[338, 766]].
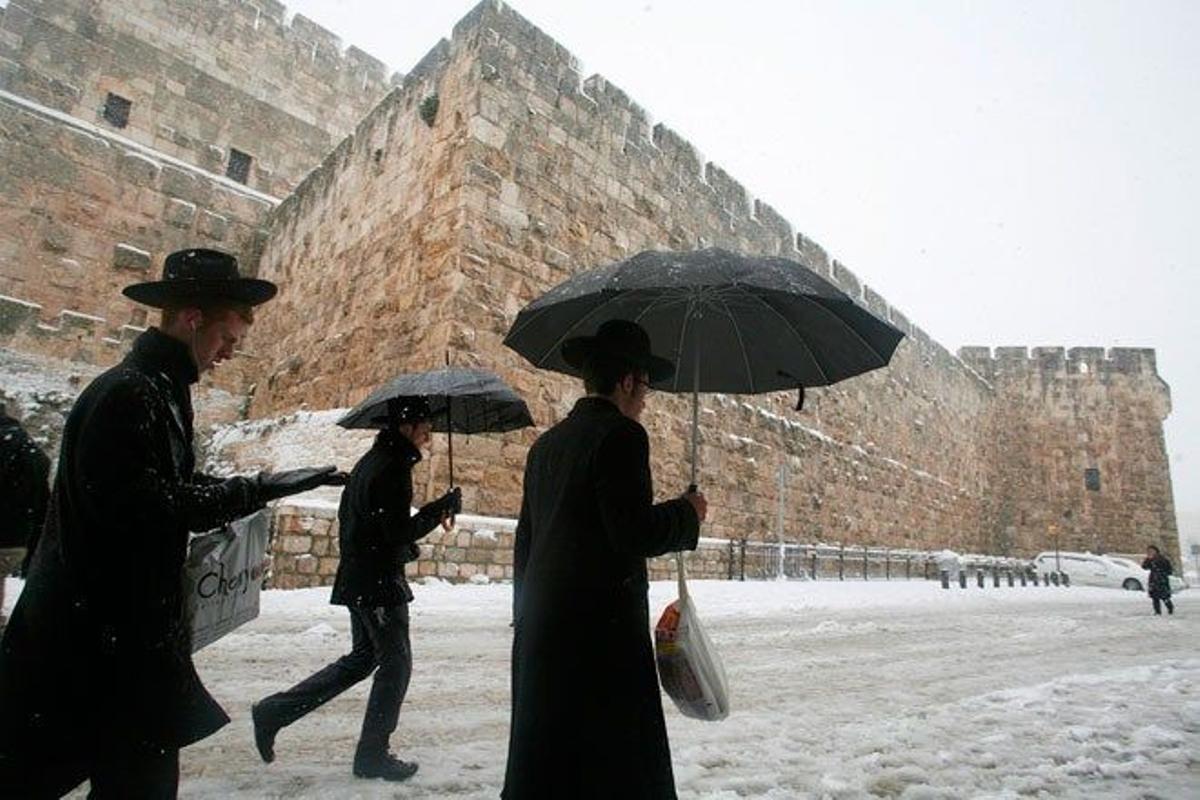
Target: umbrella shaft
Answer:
[[695, 411]]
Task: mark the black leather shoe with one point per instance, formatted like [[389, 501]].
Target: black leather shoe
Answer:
[[264, 734], [385, 766]]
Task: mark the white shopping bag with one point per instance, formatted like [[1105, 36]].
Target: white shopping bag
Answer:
[[689, 668], [223, 575]]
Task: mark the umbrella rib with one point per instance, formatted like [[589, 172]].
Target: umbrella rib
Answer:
[[687, 318], [741, 343], [661, 301], [553, 348], [882, 361], [617, 295], [799, 337]]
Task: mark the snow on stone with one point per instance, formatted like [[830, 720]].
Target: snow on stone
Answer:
[[303, 438]]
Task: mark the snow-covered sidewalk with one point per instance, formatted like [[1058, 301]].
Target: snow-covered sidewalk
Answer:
[[840, 690]]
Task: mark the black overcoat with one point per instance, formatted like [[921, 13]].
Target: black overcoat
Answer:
[[24, 485], [98, 651], [587, 718], [377, 531], [1160, 576]]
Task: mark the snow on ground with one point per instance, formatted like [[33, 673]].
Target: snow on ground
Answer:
[[840, 690]]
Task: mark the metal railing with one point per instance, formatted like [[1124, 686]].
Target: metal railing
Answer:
[[743, 559]]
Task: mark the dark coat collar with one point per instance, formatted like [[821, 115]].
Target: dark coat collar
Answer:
[[399, 444], [155, 350], [594, 404]]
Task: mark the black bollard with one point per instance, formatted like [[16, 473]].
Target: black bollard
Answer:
[[1034, 576], [962, 579], [1023, 578], [995, 578], [1008, 572], [979, 577], [945, 579], [1054, 578], [1066, 579]]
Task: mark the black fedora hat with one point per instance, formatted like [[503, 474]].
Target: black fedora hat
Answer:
[[618, 339], [199, 274]]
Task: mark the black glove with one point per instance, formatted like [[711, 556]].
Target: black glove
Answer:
[[274, 485], [448, 504], [338, 478]]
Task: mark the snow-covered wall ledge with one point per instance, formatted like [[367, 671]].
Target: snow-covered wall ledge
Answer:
[[304, 547]]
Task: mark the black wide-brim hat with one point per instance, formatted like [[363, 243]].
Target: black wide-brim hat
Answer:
[[622, 340], [198, 274]]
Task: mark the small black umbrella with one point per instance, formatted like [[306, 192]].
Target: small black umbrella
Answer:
[[729, 322], [462, 399]]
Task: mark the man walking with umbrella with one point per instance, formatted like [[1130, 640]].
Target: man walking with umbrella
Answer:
[[376, 534], [96, 673], [587, 719]]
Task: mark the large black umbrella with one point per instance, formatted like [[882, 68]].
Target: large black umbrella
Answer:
[[729, 322], [463, 400]]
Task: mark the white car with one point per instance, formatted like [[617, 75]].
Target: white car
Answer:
[[1089, 569], [1177, 581]]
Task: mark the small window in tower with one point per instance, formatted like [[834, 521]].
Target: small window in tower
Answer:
[[239, 166], [1091, 479], [116, 110]]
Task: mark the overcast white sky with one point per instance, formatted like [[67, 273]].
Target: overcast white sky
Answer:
[[1014, 172]]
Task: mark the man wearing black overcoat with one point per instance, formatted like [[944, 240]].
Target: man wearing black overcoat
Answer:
[[587, 718], [96, 674], [377, 534], [1159, 583]]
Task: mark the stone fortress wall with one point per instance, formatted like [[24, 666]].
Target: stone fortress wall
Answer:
[[87, 206], [488, 173], [421, 237]]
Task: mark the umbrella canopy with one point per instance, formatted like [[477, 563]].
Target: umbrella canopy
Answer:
[[729, 322], [462, 399]]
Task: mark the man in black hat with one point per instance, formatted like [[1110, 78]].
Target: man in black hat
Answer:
[[96, 673], [377, 534], [587, 719]]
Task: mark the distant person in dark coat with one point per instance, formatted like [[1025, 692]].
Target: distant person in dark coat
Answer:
[[24, 493], [377, 534], [96, 674], [1160, 580], [587, 718]]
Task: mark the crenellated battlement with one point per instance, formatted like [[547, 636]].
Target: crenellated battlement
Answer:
[[1059, 361], [198, 80], [511, 46], [260, 29]]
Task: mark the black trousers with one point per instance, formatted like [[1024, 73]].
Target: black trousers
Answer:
[[378, 642], [1158, 608], [115, 773]]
